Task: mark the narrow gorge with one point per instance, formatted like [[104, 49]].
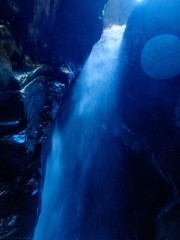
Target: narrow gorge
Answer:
[[89, 120]]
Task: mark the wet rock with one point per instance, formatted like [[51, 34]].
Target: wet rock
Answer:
[[12, 118], [34, 100], [150, 111], [26, 117], [7, 226]]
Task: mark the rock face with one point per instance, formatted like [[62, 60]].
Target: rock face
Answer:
[[26, 114], [72, 30], [150, 112], [43, 44], [54, 30]]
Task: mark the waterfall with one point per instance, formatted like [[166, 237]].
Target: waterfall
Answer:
[[83, 190]]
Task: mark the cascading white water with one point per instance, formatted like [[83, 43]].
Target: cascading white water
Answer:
[[80, 199]]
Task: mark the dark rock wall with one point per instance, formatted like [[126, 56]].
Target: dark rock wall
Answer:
[[150, 112], [53, 30], [72, 30]]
